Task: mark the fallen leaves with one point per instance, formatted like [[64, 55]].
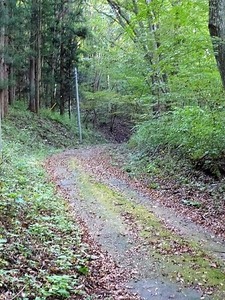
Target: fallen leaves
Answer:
[[105, 280], [194, 203], [96, 161]]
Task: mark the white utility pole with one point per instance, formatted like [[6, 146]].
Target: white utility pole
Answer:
[[78, 106]]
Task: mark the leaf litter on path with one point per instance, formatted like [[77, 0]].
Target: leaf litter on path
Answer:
[[149, 265]]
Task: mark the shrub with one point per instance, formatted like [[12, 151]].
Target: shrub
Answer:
[[195, 132]]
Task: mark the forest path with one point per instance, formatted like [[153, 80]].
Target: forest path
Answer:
[[163, 253]]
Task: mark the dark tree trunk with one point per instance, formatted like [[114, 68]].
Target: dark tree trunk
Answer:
[[12, 90], [2, 45], [62, 59], [32, 106], [217, 33], [38, 60], [35, 58], [32, 85], [6, 75], [3, 66], [11, 67], [62, 81]]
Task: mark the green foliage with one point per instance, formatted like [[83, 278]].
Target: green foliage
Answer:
[[50, 129], [195, 132], [102, 107], [61, 119], [59, 285], [99, 98], [168, 45], [198, 131], [89, 136], [41, 253]]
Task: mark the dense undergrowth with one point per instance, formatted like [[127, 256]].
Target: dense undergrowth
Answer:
[[192, 132], [41, 253]]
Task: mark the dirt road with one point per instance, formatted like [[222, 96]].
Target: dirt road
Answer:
[[165, 255]]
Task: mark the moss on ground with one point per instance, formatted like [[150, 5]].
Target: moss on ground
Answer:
[[181, 260]]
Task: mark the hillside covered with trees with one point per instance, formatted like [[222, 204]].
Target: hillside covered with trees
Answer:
[[151, 84], [156, 68]]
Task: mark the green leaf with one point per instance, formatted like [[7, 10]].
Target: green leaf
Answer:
[[191, 203], [83, 270]]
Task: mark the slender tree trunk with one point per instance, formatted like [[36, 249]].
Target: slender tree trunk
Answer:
[[217, 33], [32, 105], [6, 75], [11, 69], [38, 60], [3, 66], [32, 85], [35, 58], [2, 45], [97, 81], [54, 54], [11, 75], [62, 80], [12, 90], [62, 60], [52, 85]]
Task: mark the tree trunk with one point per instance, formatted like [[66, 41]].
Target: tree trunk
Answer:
[[217, 33], [6, 94], [35, 58], [62, 59], [12, 90], [2, 44], [38, 60], [3, 66], [62, 80], [53, 81], [11, 67], [32, 85], [32, 57]]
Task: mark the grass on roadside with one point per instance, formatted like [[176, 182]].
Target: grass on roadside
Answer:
[[41, 253]]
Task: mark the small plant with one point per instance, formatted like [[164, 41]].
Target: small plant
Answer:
[[151, 168], [59, 285]]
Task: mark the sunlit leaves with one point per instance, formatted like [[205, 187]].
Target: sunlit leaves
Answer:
[[174, 34]]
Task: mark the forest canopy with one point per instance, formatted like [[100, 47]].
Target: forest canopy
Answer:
[[150, 64]]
